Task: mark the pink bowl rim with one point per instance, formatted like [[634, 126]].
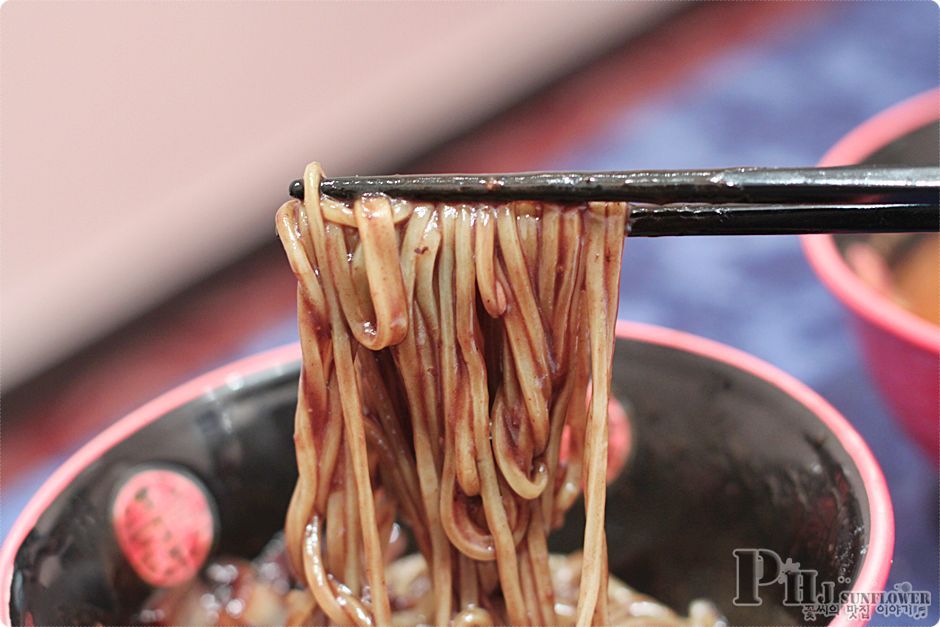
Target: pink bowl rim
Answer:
[[824, 257], [876, 562]]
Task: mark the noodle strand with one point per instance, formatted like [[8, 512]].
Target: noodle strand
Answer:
[[447, 350]]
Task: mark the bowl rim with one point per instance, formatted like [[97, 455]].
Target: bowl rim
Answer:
[[876, 561], [821, 251]]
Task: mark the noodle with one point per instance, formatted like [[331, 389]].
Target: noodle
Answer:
[[446, 348]]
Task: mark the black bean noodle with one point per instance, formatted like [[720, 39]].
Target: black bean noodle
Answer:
[[447, 348]]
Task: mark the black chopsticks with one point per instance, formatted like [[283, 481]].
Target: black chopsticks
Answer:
[[735, 201]]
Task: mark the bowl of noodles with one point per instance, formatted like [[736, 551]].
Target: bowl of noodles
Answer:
[[466, 436], [726, 452], [890, 282]]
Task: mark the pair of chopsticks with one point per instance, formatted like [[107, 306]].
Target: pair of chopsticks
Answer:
[[734, 201]]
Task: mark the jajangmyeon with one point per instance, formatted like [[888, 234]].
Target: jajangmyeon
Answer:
[[447, 349]]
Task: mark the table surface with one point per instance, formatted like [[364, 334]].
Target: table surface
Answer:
[[729, 84]]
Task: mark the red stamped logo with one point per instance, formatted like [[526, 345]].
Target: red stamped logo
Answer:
[[164, 525]]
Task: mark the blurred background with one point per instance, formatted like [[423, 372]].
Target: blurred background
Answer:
[[146, 146]]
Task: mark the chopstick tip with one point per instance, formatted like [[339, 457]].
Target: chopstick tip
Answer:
[[296, 189]]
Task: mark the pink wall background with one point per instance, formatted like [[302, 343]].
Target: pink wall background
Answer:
[[145, 144]]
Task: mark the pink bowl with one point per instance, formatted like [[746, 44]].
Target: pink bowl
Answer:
[[752, 433], [902, 350]]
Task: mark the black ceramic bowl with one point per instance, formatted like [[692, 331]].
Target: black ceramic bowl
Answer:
[[726, 453]]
